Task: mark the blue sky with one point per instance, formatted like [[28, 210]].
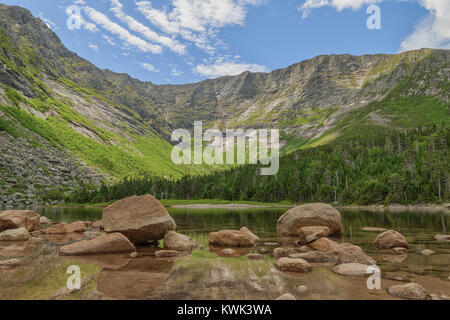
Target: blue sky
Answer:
[[184, 41]]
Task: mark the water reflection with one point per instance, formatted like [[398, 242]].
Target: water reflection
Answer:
[[209, 273]]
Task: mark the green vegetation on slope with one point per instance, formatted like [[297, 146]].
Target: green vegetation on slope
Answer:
[[387, 168]]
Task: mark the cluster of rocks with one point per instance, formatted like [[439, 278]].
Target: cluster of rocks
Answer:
[[128, 222], [29, 171], [308, 228], [144, 220]]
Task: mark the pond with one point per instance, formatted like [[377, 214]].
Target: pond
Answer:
[[208, 274]]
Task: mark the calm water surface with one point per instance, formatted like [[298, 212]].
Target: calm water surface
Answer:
[[208, 274]]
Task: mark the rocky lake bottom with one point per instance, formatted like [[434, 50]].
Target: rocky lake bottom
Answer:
[[210, 273]]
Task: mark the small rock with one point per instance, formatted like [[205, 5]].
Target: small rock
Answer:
[[64, 228], [283, 252], [134, 255], [233, 238], [302, 289], [390, 239], [427, 252], [44, 220], [352, 269], [310, 234], [315, 257], [228, 251], [167, 254], [20, 234], [324, 245], [107, 244], [178, 242], [293, 265], [263, 250], [286, 296], [442, 237], [271, 244], [412, 291], [349, 253]]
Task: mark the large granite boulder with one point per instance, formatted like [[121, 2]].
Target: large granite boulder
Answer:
[[107, 244], [178, 242], [309, 215], [20, 234], [391, 239], [140, 219], [13, 219], [234, 238]]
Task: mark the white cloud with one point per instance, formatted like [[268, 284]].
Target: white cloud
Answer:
[[175, 72], [434, 30], [197, 20], [309, 5], [148, 67], [129, 39], [109, 40], [146, 32], [93, 47], [221, 68]]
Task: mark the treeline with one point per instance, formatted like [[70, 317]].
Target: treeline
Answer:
[[380, 167]]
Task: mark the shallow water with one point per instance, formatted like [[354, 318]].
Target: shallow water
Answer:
[[208, 274]]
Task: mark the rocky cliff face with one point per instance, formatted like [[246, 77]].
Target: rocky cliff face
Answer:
[[117, 124]]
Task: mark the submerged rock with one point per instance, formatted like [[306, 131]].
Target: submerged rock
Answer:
[[168, 253], [351, 269], [20, 234], [293, 265], [315, 257], [324, 245], [233, 238], [427, 252], [140, 219], [390, 239], [349, 253], [106, 244], [411, 291], [64, 228], [13, 219], [310, 234], [309, 215], [179, 242], [442, 237], [284, 252]]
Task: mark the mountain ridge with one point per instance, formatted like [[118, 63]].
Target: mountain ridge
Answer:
[[121, 126]]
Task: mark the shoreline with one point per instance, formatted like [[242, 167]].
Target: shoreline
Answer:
[[211, 204]]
